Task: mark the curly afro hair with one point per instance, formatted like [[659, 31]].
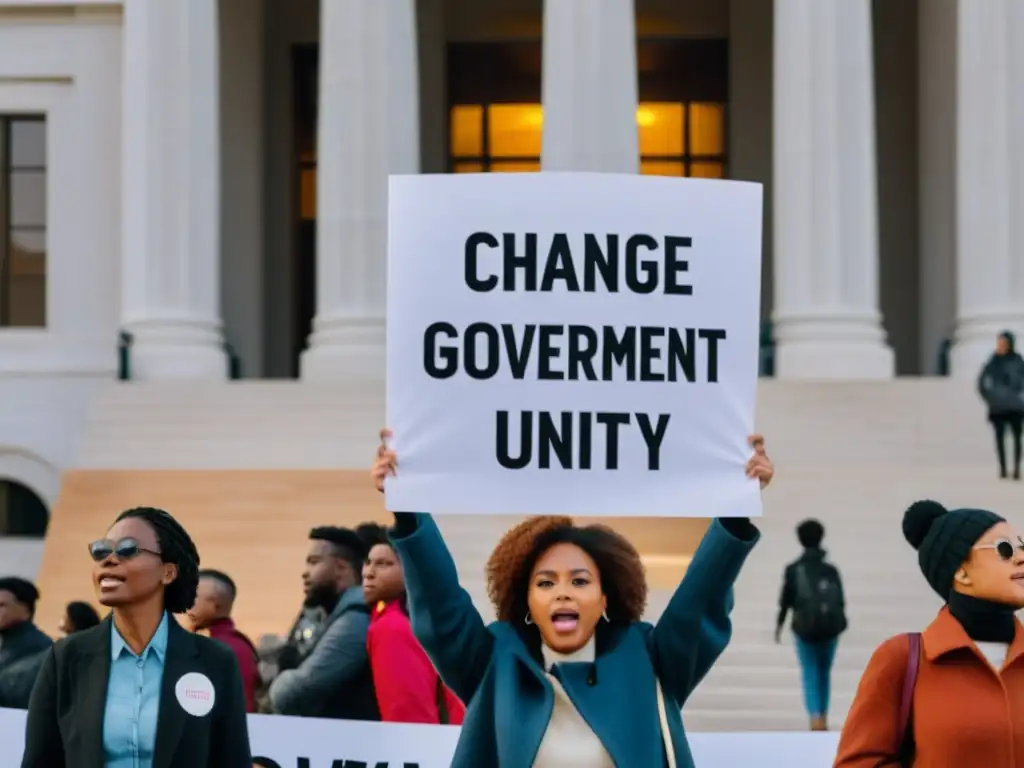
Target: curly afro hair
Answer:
[[622, 572]]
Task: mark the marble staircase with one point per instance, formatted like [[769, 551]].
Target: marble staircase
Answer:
[[851, 454]]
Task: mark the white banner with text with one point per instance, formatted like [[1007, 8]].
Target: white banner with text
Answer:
[[292, 742], [572, 343]]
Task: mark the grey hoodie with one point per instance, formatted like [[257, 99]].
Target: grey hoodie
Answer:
[[334, 678]]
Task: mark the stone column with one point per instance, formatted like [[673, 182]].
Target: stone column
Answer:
[[368, 128], [171, 189], [589, 86], [990, 179], [936, 163], [827, 320]]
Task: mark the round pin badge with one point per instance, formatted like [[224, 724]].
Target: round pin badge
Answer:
[[195, 694]]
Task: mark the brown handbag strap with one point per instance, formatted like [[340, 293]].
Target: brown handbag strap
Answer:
[[907, 699]]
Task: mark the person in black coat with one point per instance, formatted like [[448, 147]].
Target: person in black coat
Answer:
[[22, 644], [1001, 385], [138, 689]]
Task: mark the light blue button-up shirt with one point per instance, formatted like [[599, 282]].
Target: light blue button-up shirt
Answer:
[[133, 700]]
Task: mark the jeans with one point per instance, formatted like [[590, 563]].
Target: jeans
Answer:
[[816, 670], [1012, 423]]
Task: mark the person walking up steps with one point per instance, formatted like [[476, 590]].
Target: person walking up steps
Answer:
[[813, 590]]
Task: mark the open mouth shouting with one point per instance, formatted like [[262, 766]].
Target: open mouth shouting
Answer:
[[565, 621]]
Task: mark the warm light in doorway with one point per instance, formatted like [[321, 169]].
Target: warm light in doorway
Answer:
[[645, 117], [532, 116], [675, 138]]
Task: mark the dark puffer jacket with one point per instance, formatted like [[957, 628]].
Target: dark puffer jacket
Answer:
[[1001, 382]]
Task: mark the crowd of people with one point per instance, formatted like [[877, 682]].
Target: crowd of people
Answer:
[[351, 655], [568, 676]]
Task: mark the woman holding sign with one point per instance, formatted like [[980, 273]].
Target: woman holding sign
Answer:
[[569, 675], [137, 690]]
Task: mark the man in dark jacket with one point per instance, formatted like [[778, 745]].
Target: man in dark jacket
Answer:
[[1001, 384], [22, 644], [332, 678], [813, 590]]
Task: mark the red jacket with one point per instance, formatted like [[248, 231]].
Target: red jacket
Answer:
[[224, 630], [408, 687]]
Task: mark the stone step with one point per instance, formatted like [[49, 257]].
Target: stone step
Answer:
[[851, 656], [746, 719], [882, 419], [853, 454], [786, 697], [778, 676]]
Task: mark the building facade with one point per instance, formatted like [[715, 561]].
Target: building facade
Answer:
[[177, 174]]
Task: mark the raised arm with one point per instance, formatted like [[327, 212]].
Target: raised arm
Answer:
[[443, 617], [695, 627]]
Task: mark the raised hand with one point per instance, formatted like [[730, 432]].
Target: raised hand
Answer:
[[386, 462], [759, 465]]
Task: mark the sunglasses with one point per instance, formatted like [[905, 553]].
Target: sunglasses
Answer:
[[1004, 547], [124, 549]]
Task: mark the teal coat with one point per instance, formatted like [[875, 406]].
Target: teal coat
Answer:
[[508, 696]]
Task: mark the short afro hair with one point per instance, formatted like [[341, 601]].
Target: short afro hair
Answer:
[[24, 592], [810, 533], [225, 581], [621, 570], [177, 548], [347, 545]]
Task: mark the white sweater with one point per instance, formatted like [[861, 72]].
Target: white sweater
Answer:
[[995, 653], [568, 741]]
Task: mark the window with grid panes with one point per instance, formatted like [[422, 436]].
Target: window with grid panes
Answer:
[[496, 120], [676, 139], [22, 221]]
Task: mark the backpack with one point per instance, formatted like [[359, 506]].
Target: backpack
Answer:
[[818, 612]]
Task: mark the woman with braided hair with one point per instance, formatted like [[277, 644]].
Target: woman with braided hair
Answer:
[[570, 676], [137, 690]]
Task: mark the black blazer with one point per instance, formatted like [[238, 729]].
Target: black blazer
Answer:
[[65, 715]]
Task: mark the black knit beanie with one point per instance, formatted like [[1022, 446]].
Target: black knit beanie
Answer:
[[944, 538]]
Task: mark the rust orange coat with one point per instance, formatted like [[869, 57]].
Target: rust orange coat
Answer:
[[965, 714]]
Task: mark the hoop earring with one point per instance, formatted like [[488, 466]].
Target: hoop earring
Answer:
[[604, 615], [528, 620]]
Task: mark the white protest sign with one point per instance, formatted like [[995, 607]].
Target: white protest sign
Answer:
[[293, 742], [572, 343]]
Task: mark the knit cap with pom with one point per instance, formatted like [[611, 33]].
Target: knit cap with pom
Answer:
[[944, 538]]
